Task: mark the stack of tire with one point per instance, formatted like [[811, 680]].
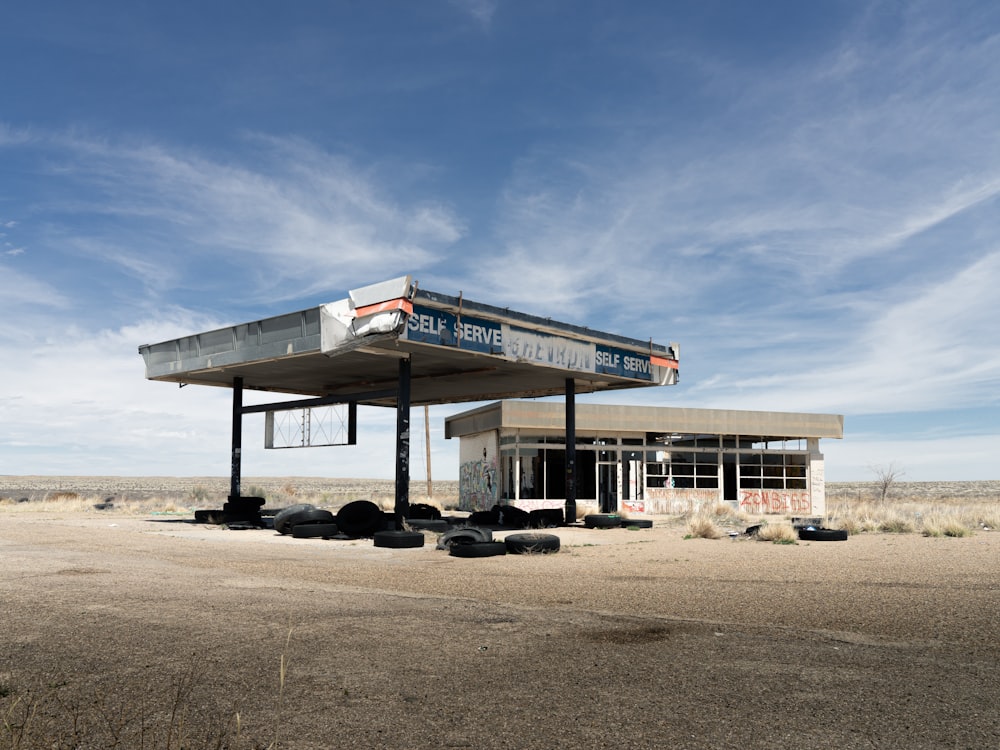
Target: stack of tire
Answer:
[[305, 521], [512, 517], [359, 519], [243, 512], [425, 517], [615, 521], [473, 541]]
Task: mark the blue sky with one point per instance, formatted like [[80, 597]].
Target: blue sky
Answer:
[[804, 195]]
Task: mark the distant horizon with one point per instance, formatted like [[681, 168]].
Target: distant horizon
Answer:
[[413, 479]]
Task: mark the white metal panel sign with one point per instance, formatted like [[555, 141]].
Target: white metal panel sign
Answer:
[[468, 333]]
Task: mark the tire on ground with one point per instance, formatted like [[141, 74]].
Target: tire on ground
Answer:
[[396, 539], [464, 535], [360, 518], [423, 510], [514, 517], [823, 535], [314, 530], [637, 523], [478, 549], [489, 517], [531, 543], [545, 518], [246, 501], [602, 521], [215, 517], [308, 516], [428, 524], [281, 516]]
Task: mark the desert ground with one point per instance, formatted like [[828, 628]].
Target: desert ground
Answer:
[[146, 630]]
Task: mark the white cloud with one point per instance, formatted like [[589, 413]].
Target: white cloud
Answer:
[[19, 291], [481, 10], [304, 219]]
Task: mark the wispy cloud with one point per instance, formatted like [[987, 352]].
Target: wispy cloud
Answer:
[[480, 10], [298, 221], [19, 291]]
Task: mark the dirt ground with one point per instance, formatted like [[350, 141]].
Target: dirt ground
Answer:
[[118, 631]]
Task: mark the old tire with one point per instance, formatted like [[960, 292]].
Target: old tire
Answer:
[[395, 539], [602, 521], [478, 549], [428, 524], [463, 535], [532, 543], [215, 517], [423, 510], [360, 518], [489, 517], [636, 523], [314, 530], [308, 516], [546, 518], [823, 535], [281, 516], [514, 517], [245, 501]]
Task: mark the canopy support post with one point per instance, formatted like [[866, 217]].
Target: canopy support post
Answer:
[[403, 443], [570, 451], [237, 443]]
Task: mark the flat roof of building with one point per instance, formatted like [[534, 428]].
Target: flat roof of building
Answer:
[[458, 350], [595, 419]]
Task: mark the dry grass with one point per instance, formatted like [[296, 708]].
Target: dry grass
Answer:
[[940, 524], [927, 508], [778, 533], [909, 517], [703, 527], [44, 711], [172, 713], [199, 497]]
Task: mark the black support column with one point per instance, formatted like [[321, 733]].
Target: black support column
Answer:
[[237, 447], [403, 443], [570, 450]]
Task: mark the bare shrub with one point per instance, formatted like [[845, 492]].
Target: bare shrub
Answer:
[[885, 478]]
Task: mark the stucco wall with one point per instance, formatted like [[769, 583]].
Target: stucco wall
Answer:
[[478, 478]]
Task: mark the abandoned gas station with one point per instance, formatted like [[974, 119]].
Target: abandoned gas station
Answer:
[[639, 459], [395, 345]]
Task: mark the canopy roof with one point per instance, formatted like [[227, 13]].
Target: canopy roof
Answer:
[[458, 351]]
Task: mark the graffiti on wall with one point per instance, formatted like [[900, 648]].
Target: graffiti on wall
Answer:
[[477, 483], [775, 501], [634, 505], [673, 500]]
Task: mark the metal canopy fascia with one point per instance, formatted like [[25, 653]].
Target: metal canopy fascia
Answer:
[[350, 349], [391, 344]]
